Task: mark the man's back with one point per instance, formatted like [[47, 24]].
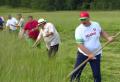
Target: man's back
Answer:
[[28, 28], [11, 23]]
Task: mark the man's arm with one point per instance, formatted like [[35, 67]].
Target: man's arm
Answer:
[[37, 41], [86, 51], [49, 34], [51, 30], [34, 28], [106, 36], [21, 34], [7, 25]]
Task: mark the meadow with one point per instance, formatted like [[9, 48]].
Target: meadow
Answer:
[[21, 63]]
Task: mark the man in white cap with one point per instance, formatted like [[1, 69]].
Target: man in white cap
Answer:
[[50, 35]]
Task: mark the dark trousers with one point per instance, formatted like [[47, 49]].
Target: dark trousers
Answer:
[[53, 50], [95, 66]]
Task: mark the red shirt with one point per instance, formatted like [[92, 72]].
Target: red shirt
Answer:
[[29, 26]]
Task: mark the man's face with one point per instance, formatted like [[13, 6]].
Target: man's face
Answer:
[[9, 17], [30, 19], [41, 25], [84, 21], [18, 17]]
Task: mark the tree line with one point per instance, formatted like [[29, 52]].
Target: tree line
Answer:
[[64, 4]]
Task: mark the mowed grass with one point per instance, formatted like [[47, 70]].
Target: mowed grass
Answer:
[[21, 63]]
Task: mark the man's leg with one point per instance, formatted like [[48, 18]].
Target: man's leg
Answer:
[[50, 51], [95, 65], [53, 50], [79, 60]]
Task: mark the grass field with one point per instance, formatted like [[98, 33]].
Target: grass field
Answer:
[[21, 63]]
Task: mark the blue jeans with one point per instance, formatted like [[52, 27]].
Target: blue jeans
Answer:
[[95, 66]]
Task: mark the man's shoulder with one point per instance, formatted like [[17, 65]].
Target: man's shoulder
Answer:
[[13, 18], [94, 23], [21, 19], [80, 27], [35, 21], [27, 23], [8, 20], [2, 18], [49, 23]]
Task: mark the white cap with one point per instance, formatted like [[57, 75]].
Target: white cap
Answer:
[[41, 20]]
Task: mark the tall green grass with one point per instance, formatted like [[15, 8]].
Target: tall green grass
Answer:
[[21, 63]]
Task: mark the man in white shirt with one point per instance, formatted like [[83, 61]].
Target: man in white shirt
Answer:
[[11, 23], [50, 35], [87, 36], [21, 22]]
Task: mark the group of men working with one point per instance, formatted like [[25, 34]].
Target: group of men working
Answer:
[[87, 36], [33, 30]]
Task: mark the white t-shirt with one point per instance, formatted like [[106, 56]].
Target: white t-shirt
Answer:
[[11, 23], [89, 37], [52, 39]]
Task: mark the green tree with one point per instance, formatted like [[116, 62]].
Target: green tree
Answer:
[[2, 2], [59, 4], [15, 3], [26, 3]]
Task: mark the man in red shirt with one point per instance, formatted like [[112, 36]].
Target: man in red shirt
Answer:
[[30, 30]]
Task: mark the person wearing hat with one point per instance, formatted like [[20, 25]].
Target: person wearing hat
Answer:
[[50, 35], [87, 36], [31, 30]]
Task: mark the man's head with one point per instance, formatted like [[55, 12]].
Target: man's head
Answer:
[[19, 16], [84, 17], [30, 18], [9, 16], [41, 22]]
